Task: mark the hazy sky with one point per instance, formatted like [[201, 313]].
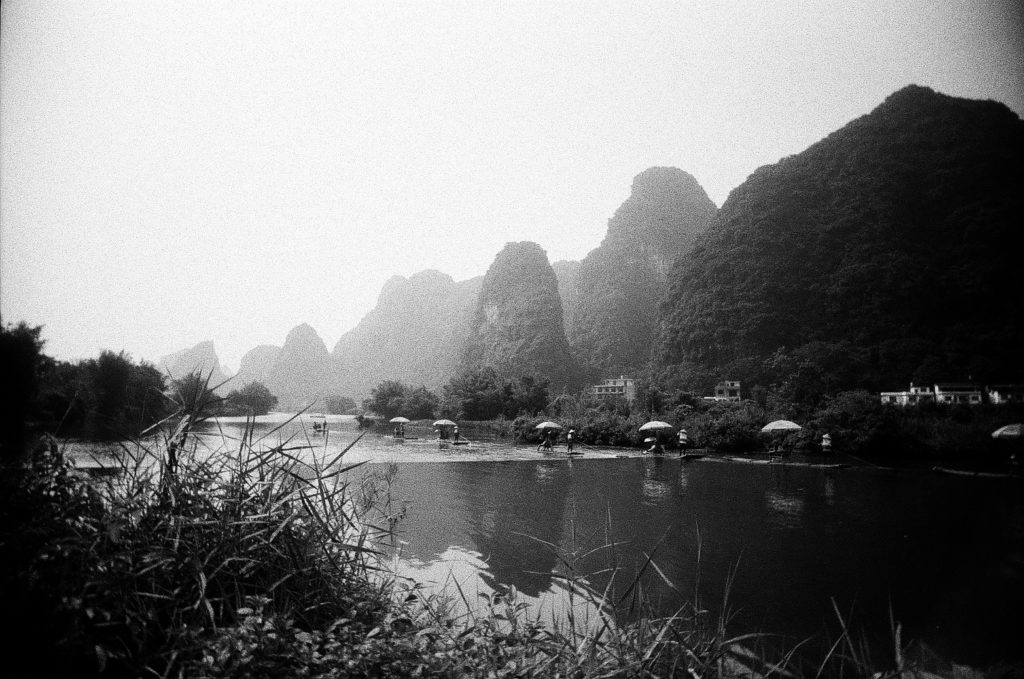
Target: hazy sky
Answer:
[[174, 172]]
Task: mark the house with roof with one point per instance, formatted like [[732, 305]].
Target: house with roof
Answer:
[[623, 387], [952, 393], [911, 397]]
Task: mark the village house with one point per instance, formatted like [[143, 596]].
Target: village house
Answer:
[[911, 397], [623, 387], [729, 390], [726, 390], [952, 393], [957, 392]]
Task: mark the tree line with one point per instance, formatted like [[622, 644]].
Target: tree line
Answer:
[[107, 398]]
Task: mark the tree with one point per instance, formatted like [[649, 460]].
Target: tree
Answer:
[[121, 398], [21, 360], [420, 403], [340, 405], [527, 394], [193, 394], [387, 398], [252, 399], [475, 394]]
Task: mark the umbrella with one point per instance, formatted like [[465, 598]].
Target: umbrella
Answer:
[[1010, 431], [548, 425], [655, 425], [399, 420], [780, 425], [444, 423]]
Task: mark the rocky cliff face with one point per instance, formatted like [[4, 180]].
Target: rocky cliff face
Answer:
[[201, 358], [881, 254], [517, 325], [612, 317], [256, 366], [415, 335], [301, 372], [567, 272]]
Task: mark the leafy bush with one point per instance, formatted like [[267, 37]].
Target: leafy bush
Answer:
[[729, 427], [252, 399]]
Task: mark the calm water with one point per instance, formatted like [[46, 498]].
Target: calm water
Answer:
[[947, 553]]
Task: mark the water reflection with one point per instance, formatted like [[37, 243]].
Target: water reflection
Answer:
[[655, 486], [784, 510]]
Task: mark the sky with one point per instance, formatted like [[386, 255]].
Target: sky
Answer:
[[178, 172]]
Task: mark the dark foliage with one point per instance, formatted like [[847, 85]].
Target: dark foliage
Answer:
[[483, 394], [22, 364], [392, 398], [107, 398], [252, 399]]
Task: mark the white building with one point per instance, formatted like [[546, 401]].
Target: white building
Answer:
[[623, 387], [911, 397], [957, 392]]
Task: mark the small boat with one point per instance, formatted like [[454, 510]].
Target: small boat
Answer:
[[976, 474], [691, 456], [460, 443]]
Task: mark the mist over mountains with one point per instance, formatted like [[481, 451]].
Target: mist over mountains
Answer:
[[887, 252], [613, 309], [414, 335]]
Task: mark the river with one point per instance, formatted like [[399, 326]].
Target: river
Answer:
[[946, 554]]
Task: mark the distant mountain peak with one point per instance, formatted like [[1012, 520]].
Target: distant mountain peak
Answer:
[[200, 358], [517, 327]]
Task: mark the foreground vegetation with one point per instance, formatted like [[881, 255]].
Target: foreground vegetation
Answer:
[[253, 560]]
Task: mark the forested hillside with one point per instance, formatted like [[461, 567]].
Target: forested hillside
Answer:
[[612, 312], [890, 251], [517, 324]]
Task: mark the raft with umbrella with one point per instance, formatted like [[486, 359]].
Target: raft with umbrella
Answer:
[[779, 426], [655, 427], [447, 427], [400, 429], [546, 428]]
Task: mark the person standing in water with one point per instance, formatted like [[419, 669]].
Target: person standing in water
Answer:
[[570, 438]]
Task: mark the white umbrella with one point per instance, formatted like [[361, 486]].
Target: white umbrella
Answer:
[[398, 420], [655, 425], [548, 425], [780, 425], [1010, 431], [444, 423]]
